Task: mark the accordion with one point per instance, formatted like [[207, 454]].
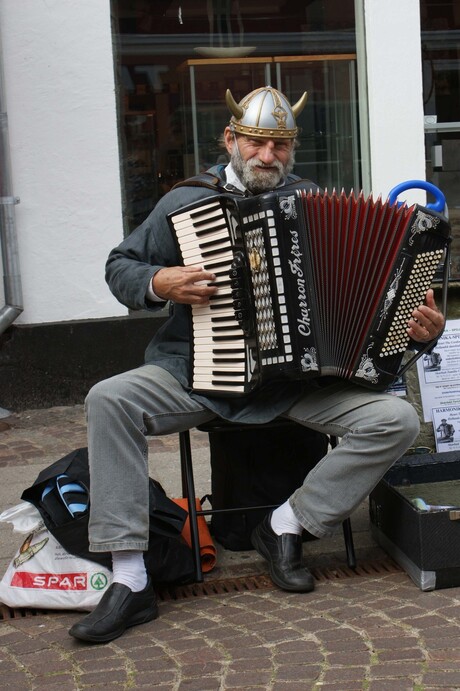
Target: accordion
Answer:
[[308, 285]]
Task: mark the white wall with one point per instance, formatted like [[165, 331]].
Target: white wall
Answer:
[[60, 102], [395, 94]]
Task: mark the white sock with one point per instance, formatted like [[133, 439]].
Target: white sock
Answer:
[[284, 521], [129, 569]]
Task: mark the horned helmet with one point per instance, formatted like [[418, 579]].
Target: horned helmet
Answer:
[[265, 112]]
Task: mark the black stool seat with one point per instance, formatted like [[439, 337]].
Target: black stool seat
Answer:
[[188, 487]]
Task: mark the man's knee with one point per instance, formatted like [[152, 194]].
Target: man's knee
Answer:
[[400, 417], [413, 420], [101, 394]]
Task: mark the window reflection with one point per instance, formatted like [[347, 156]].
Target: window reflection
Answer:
[[175, 60]]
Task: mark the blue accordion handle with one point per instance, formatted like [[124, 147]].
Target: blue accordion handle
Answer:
[[438, 205]]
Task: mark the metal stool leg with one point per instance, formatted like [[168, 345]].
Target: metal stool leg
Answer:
[[347, 530], [188, 491], [349, 545]]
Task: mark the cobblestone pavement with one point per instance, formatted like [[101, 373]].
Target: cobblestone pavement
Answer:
[[374, 631]]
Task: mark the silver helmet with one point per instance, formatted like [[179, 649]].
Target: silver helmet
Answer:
[[265, 112]]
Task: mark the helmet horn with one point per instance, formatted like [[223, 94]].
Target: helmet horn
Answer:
[[236, 110], [298, 107]]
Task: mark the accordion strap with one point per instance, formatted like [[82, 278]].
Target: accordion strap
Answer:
[[213, 182], [208, 180]]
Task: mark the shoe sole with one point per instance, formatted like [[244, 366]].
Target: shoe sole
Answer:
[[141, 618], [259, 546]]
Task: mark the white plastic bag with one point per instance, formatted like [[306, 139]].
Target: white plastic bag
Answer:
[[44, 575], [25, 517]]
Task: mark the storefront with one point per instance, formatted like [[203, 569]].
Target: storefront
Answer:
[[175, 61], [110, 102]]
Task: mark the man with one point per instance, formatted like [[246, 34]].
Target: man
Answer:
[[446, 431], [144, 272]]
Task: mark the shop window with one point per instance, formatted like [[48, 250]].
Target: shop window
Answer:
[[440, 44], [174, 61]]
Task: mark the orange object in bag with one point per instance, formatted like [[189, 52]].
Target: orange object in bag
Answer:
[[207, 549]]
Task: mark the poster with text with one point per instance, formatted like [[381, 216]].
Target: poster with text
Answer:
[[439, 372], [446, 425]]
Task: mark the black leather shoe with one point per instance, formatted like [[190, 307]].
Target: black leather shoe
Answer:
[[118, 609], [284, 555]]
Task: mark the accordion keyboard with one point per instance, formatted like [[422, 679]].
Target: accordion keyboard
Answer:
[[271, 318], [221, 357]]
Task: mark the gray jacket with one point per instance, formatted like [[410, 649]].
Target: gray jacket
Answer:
[[129, 270]]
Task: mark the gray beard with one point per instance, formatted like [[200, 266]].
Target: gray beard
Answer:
[[258, 181]]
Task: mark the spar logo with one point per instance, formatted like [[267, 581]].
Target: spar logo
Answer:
[[98, 581], [50, 581]]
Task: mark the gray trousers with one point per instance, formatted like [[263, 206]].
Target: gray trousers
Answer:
[[375, 430]]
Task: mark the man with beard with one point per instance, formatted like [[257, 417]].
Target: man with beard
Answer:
[[144, 272]]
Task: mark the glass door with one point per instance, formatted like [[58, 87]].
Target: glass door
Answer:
[[329, 152], [329, 143], [203, 112]]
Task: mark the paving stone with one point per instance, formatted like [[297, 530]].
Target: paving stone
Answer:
[[365, 633]]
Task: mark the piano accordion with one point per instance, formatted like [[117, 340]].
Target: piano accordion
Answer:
[[309, 285]]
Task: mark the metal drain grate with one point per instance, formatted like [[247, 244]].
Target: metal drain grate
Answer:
[[236, 585], [217, 587], [7, 613], [379, 567], [263, 581]]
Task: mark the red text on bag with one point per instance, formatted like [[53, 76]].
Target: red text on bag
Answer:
[[50, 581]]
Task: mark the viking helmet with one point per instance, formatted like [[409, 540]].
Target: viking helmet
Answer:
[[265, 112]]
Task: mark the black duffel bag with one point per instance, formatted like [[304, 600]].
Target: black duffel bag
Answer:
[[257, 467], [61, 495]]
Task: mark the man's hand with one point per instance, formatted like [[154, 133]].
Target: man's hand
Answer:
[[427, 321], [186, 284]]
